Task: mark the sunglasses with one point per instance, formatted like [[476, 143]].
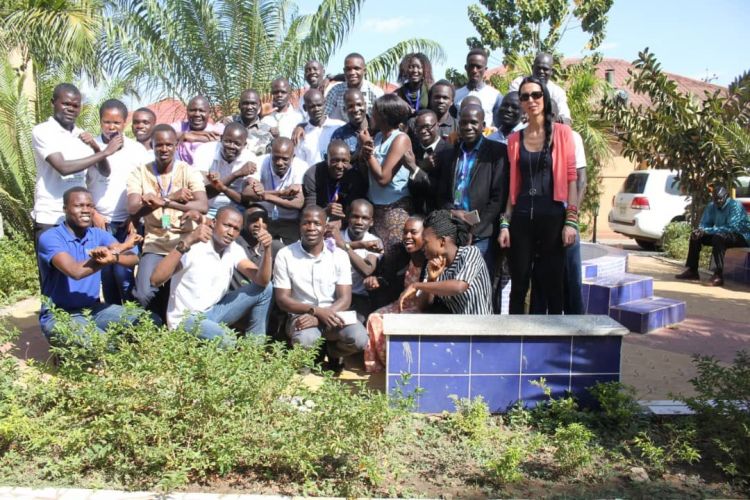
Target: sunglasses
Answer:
[[531, 95]]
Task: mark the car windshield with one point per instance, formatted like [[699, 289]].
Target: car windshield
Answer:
[[635, 184]]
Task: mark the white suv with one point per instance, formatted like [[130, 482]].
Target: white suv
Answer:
[[647, 202]]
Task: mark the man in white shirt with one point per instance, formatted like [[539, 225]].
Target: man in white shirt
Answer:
[[201, 268], [110, 195], [476, 66], [318, 131], [62, 153], [543, 69], [314, 285], [363, 249], [280, 190], [142, 126], [226, 166], [284, 117]]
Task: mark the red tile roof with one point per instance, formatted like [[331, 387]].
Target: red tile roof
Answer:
[[173, 110], [697, 88]]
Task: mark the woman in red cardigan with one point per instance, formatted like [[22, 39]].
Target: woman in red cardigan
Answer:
[[541, 217]]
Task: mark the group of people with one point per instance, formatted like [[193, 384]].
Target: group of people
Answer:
[[314, 221]]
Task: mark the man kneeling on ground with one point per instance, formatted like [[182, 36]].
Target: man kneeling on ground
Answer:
[[314, 285], [201, 268], [71, 256]]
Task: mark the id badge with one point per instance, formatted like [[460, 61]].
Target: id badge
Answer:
[[165, 222]]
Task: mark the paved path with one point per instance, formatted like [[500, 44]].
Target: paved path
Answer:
[[10, 493], [658, 365]]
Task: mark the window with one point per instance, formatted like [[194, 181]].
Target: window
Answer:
[[635, 184]]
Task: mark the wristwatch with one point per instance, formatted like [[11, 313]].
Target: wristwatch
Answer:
[[182, 247], [348, 246], [311, 311]]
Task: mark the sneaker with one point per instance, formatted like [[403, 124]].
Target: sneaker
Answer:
[[688, 274]]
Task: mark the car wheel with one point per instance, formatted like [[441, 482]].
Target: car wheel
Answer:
[[646, 244]]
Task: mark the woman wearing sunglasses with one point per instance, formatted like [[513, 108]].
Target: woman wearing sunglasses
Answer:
[[541, 217]]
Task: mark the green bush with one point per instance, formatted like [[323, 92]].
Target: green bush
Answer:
[[722, 407], [676, 242], [144, 406], [18, 269]]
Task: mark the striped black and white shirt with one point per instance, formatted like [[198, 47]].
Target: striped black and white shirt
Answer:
[[469, 266]]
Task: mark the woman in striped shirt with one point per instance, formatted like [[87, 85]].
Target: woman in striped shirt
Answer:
[[455, 279]]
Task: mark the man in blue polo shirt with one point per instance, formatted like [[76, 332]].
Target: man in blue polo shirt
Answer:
[[71, 256]]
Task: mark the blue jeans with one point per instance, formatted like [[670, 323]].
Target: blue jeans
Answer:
[[118, 281], [250, 298], [573, 303], [486, 248], [101, 316]]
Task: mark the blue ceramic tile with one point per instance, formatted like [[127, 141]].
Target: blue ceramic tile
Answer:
[[441, 355], [655, 319], [585, 296], [590, 271], [436, 392], [546, 355], [500, 392], [598, 300], [495, 354], [633, 321], [579, 385], [596, 354], [403, 354], [532, 395]]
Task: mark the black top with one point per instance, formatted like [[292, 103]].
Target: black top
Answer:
[[319, 189], [536, 183]]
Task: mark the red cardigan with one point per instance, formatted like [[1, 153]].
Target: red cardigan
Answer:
[[563, 162]]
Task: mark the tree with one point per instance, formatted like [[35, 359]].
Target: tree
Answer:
[[706, 140], [519, 26], [219, 48]]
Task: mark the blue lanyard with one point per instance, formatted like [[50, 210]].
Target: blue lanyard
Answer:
[[158, 182], [415, 104], [333, 197], [468, 158]]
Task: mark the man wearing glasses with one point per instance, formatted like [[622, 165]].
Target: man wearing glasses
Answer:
[[426, 144]]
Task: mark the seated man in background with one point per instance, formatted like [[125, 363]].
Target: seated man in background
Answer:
[[71, 256], [363, 249], [196, 129], [201, 268], [161, 192], [110, 194], [226, 166], [314, 285], [334, 184], [280, 190], [724, 225]]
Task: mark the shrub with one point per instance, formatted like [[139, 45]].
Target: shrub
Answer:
[[722, 407], [18, 269], [145, 406], [573, 449], [676, 242]]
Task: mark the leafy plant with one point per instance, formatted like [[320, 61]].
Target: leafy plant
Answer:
[[573, 449], [18, 269], [721, 406], [676, 243], [146, 406]]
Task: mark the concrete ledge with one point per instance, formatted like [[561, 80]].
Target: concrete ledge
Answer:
[[501, 325]]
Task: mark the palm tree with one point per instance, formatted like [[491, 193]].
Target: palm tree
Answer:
[[218, 48]]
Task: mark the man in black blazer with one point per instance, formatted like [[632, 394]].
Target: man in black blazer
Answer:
[[426, 145], [473, 180]]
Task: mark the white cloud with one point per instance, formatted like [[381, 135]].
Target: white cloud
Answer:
[[608, 46], [386, 25]]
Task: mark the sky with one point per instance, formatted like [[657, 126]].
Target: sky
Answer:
[[698, 39]]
